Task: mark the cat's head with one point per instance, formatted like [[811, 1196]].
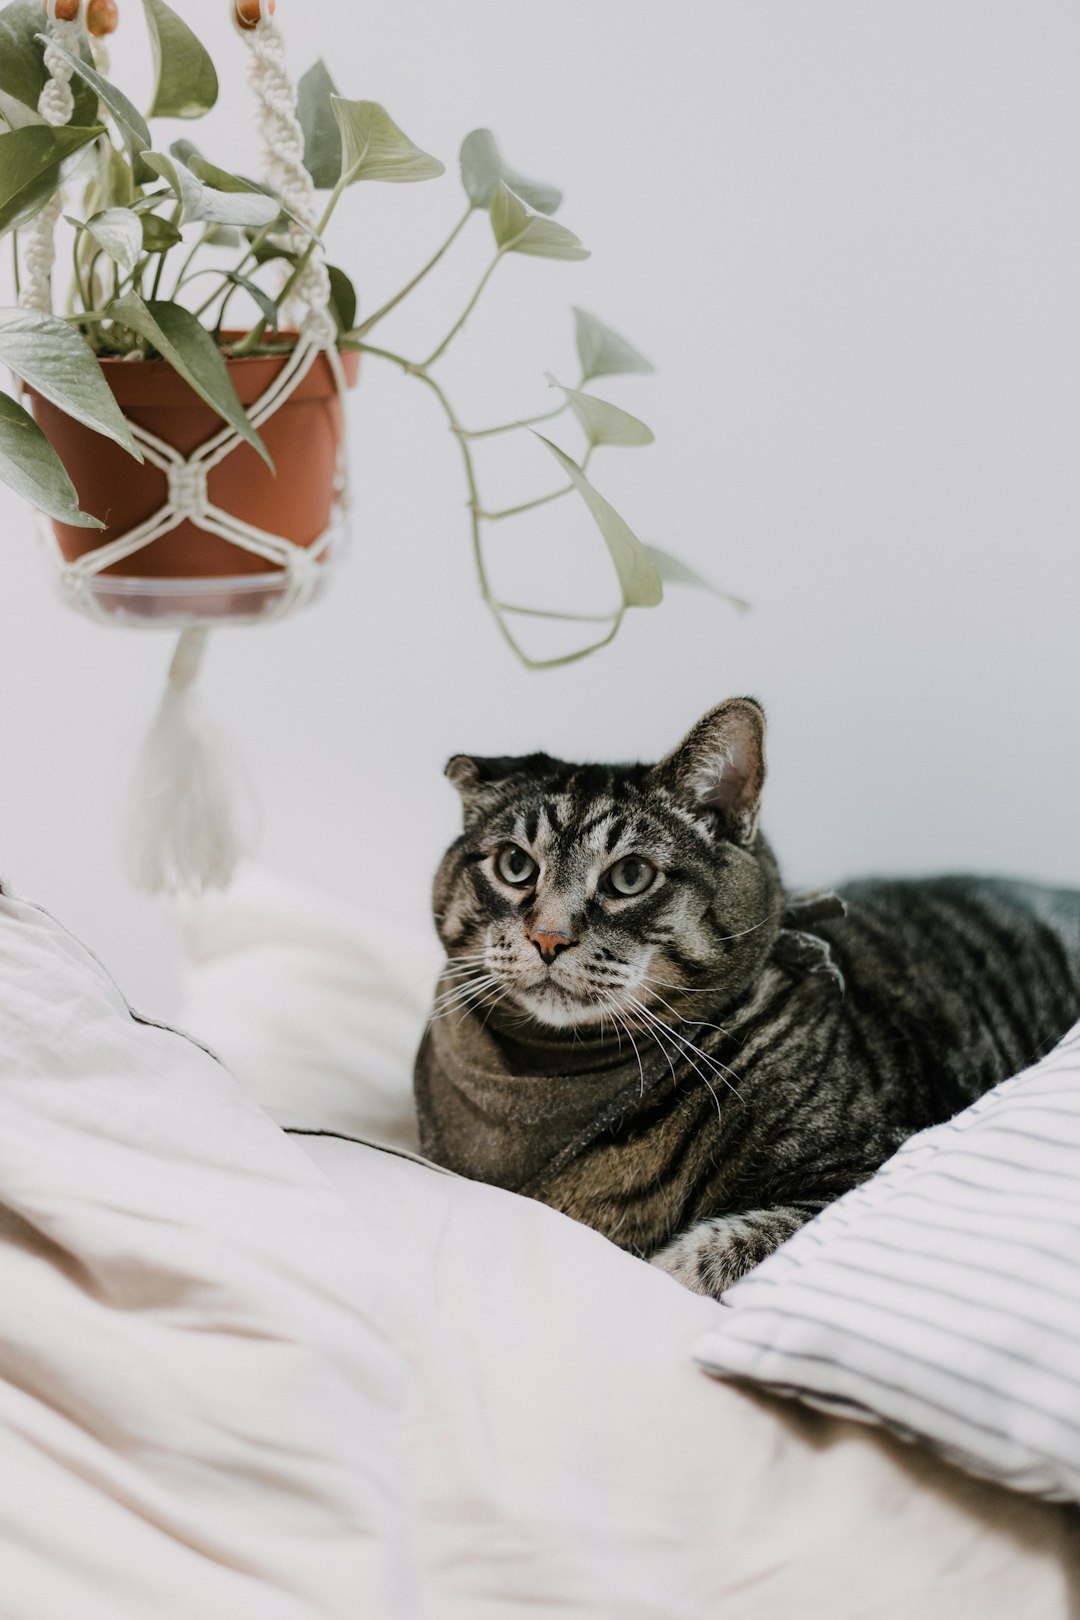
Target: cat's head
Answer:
[[577, 890]]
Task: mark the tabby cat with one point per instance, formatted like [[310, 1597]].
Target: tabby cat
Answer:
[[638, 1026]]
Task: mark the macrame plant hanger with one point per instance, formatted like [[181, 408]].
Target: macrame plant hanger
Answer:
[[185, 823]]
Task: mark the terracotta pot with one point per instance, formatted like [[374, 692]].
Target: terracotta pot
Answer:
[[301, 436]]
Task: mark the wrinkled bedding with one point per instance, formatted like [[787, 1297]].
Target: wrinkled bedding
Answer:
[[250, 1373]]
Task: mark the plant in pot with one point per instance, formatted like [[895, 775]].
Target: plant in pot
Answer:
[[185, 431]]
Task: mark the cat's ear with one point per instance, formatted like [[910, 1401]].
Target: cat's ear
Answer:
[[470, 772], [473, 775], [720, 767], [464, 772]]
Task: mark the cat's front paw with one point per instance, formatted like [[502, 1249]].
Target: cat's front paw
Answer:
[[712, 1255]]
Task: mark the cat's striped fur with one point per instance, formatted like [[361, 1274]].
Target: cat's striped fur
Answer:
[[789, 1045]]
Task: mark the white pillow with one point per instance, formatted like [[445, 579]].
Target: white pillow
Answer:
[[316, 1007], [197, 1413], [942, 1297]]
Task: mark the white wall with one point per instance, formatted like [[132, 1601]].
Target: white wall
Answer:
[[848, 235]]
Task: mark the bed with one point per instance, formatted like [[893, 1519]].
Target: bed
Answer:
[[261, 1360]]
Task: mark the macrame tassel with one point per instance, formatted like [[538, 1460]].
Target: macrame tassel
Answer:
[[185, 817]]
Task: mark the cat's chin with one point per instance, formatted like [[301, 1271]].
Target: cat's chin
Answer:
[[558, 1009]]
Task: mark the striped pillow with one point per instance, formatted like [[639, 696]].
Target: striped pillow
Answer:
[[942, 1297]]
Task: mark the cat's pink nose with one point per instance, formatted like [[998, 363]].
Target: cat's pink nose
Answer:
[[550, 945]]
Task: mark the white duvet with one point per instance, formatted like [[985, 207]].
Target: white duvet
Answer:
[[244, 1373]]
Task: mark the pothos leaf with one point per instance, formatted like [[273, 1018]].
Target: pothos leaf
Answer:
[[342, 298], [50, 355], [322, 137], [639, 580], [118, 232], [483, 172], [604, 423], [244, 206], [518, 230], [188, 347], [158, 235], [374, 148], [603, 352], [30, 466], [30, 166], [186, 84], [14, 113], [676, 572]]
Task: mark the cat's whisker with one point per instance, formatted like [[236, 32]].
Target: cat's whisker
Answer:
[[612, 1008], [771, 916], [454, 990], [667, 1055], [682, 1053], [691, 1023], [721, 1070], [468, 993], [442, 965], [482, 1000], [463, 993], [461, 964], [681, 989]]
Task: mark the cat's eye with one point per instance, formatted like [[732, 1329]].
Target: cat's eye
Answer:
[[632, 875], [514, 866]]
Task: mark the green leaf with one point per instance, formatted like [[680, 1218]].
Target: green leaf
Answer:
[[22, 64], [186, 84], [603, 352], [158, 235], [267, 308], [675, 572], [22, 71], [604, 423], [188, 153], [30, 162], [483, 172], [221, 180], [342, 298], [150, 200], [51, 356], [202, 202], [128, 120], [30, 466], [265, 251], [188, 347], [225, 236], [117, 181], [118, 232], [374, 148], [518, 230], [15, 114], [322, 137], [639, 579]]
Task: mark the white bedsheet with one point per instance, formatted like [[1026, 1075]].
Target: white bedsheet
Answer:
[[247, 1374]]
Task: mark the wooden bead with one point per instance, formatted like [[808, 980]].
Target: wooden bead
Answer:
[[102, 17], [66, 10], [249, 12]]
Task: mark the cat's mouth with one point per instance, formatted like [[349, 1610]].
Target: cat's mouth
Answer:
[[559, 1001]]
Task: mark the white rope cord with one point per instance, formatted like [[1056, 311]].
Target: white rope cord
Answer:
[[188, 500], [283, 164], [55, 104]]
